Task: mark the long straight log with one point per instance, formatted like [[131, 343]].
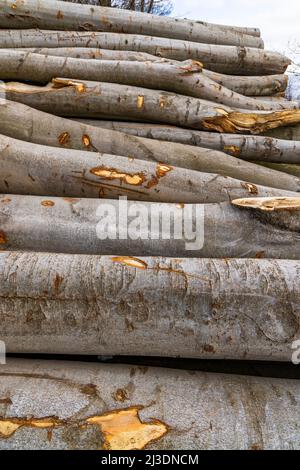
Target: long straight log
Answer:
[[121, 407], [248, 86], [186, 80], [49, 130], [223, 59], [247, 228], [28, 168], [95, 54], [83, 98], [150, 306], [57, 15], [252, 148]]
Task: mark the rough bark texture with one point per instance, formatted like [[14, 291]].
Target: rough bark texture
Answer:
[[164, 409], [288, 133], [83, 98], [253, 148], [223, 59], [183, 79], [245, 229], [58, 15], [71, 304], [45, 129], [248, 86]]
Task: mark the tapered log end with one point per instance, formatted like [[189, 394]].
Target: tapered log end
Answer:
[[237, 123], [269, 204]]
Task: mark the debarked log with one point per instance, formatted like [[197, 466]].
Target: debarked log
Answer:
[[245, 228], [183, 79], [82, 98], [53, 131], [57, 15], [248, 86], [252, 148], [67, 405], [224, 59]]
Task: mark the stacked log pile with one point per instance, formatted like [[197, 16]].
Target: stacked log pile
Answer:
[[97, 104]]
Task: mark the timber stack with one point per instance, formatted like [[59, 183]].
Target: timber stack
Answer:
[[185, 120]]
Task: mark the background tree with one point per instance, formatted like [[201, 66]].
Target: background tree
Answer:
[[157, 7]]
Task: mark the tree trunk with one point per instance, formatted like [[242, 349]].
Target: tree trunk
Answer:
[[260, 86], [47, 171], [186, 80], [248, 86], [98, 54], [223, 59], [45, 129], [83, 98], [46, 307], [253, 148], [290, 169], [62, 16], [249, 228], [92, 403]]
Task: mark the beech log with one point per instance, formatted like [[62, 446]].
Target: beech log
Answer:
[[224, 59], [52, 131], [246, 228], [68, 405], [83, 98], [58, 15], [252, 148], [183, 79], [98, 305], [249, 86]]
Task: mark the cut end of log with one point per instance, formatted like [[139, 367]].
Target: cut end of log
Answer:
[[236, 123], [269, 204]]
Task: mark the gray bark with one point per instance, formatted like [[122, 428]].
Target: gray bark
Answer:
[[290, 169], [247, 228], [248, 86], [48, 130], [59, 15], [183, 79], [287, 133], [223, 59], [83, 98], [96, 54], [252, 148], [72, 304], [205, 412]]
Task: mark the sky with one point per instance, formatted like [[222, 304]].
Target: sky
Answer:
[[278, 20]]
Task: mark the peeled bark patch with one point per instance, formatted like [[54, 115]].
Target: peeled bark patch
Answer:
[[121, 429]]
